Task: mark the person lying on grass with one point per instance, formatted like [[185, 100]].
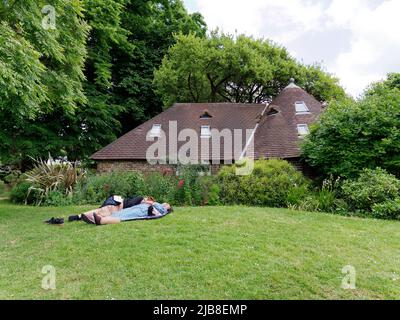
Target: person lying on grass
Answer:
[[110, 205], [145, 210]]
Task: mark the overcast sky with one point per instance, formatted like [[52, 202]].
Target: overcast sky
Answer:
[[356, 40]]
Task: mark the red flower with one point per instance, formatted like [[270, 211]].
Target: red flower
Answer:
[[180, 183]]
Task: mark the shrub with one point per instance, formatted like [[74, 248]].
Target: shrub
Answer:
[[96, 188], [389, 209], [12, 177], [57, 198], [189, 190], [209, 191], [372, 187], [350, 136], [23, 193], [49, 176], [160, 187], [2, 187], [270, 184]]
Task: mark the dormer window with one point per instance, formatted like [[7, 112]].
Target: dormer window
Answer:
[[155, 131], [302, 130], [206, 115], [205, 132], [272, 112], [301, 107]]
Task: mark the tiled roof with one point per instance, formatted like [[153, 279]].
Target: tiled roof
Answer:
[[277, 135], [133, 145]]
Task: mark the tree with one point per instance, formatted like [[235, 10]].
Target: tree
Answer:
[[351, 136], [221, 68], [42, 56], [391, 82], [151, 25], [66, 90]]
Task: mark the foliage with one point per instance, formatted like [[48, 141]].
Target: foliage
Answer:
[[41, 72], [189, 190], [161, 187], [222, 68], [351, 136], [72, 89], [2, 187], [96, 188], [47, 177], [389, 209], [371, 188], [270, 184], [390, 83], [22, 192], [126, 47]]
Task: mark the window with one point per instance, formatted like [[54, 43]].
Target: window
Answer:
[[155, 130], [301, 107], [272, 112], [205, 132], [302, 129], [206, 115]]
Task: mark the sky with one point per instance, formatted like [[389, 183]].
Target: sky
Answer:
[[357, 41]]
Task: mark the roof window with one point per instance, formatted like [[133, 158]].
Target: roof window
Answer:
[[155, 130], [301, 107]]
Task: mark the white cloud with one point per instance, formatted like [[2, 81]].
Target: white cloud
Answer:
[[359, 40], [375, 44]]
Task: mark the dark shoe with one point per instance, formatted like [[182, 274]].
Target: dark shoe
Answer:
[[74, 218], [55, 221], [86, 219], [97, 219]]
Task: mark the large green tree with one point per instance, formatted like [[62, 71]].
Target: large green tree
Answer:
[[65, 90], [353, 135], [42, 54], [222, 68]]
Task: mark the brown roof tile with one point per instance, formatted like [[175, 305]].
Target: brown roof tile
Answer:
[[277, 135], [133, 145]]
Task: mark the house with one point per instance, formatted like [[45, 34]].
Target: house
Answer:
[[215, 133]]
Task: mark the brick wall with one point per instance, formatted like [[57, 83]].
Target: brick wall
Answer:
[[141, 166], [144, 167]]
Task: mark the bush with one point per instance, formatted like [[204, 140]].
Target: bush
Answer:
[[23, 192], [351, 136], [160, 187], [2, 187], [270, 184], [46, 177], [389, 209], [96, 188], [190, 189], [372, 187], [58, 199]]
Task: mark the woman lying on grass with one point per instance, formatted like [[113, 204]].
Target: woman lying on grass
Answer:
[[145, 210], [112, 204]]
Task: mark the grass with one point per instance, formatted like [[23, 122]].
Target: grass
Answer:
[[199, 253]]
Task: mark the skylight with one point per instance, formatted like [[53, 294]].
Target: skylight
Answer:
[[155, 130], [303, 130], [205, 132], [301, 107]]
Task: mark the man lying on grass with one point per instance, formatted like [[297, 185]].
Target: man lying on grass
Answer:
[[112, 204], [115, 210], [143, 211]]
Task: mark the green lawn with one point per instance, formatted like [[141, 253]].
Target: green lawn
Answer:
[[199, 253]]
